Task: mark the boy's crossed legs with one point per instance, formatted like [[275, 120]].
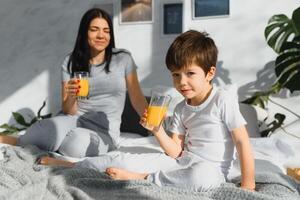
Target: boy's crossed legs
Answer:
[[123, 174], [200, 176]]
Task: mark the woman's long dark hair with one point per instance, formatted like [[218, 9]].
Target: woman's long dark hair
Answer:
[[80, 56]]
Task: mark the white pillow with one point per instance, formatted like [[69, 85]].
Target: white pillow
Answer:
[[290, 134], [269, 154], [272, 149]]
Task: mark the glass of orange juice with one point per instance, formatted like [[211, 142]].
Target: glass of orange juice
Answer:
[[84, 84], [157, 109]]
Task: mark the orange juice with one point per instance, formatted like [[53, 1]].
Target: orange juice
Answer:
[[156, 114], [84, 88]]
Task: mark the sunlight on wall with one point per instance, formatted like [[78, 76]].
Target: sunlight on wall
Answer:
[[244, 55], [27, 99]]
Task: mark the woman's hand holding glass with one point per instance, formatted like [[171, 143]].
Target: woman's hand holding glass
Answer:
[[72, 87]]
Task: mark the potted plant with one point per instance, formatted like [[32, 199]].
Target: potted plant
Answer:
[[283, 36], [22, 124]]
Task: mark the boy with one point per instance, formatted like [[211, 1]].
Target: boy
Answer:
[[205, 127]]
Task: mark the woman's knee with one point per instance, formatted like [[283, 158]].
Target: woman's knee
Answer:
[[41, 134], [81, 142], [47, 134]]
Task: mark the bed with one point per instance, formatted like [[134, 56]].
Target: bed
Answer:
[[22, 178]]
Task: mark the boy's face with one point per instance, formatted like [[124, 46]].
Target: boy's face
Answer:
[[192, 83]]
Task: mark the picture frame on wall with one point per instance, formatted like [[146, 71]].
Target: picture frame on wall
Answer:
[[172, 18], [210, 8], [136, 11]]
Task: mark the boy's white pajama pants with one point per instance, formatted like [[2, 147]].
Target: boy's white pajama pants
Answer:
[[186, 171]]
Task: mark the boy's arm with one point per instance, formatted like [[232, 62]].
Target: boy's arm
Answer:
[[241, 140], [173, 145]]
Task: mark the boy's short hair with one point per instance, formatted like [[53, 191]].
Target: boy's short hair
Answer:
[[192, 47]]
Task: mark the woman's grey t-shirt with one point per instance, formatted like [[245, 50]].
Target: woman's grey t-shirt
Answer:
[[107, 91]]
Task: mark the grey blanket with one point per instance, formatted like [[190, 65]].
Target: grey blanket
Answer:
[[22, 178]]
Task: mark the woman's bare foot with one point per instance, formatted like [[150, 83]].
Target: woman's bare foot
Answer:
[[122, 174], [8, 140], [46, 160]]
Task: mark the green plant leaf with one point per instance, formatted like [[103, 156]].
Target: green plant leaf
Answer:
[[296, 20], [277, 123], [6, 132], [40, 110], [287, 65], [283, 35], [20, 119], [33, 120], [281, 29], [10, 129], [259, 98], [46, 116], [4, 126]]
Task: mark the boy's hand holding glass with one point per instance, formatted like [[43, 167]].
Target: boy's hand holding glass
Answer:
[[156, 112], [146, 125]]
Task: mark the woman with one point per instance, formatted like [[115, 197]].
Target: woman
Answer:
[[89, 127]]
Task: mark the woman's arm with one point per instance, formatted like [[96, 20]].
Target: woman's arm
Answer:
[[173, 145], [241, 140], [69, 102], [136, 96]]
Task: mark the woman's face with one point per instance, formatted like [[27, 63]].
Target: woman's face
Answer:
[[98, 35]]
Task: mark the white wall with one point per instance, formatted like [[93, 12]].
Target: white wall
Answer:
[[37, 34]]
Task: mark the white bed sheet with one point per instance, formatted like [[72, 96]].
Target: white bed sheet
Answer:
[[1, 152], [282, 151]]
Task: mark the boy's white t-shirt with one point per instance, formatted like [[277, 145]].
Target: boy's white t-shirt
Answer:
[[207, 127]]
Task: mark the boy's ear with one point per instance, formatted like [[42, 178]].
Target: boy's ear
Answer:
[[211, 73]]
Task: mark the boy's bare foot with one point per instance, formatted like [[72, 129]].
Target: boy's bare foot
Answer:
[[122, 174], [8, 140], [46, 160]]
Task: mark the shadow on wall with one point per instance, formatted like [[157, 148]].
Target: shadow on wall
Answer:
[[159, 74], [265, 79], [44, 40], [35, 36], [222, 75]]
